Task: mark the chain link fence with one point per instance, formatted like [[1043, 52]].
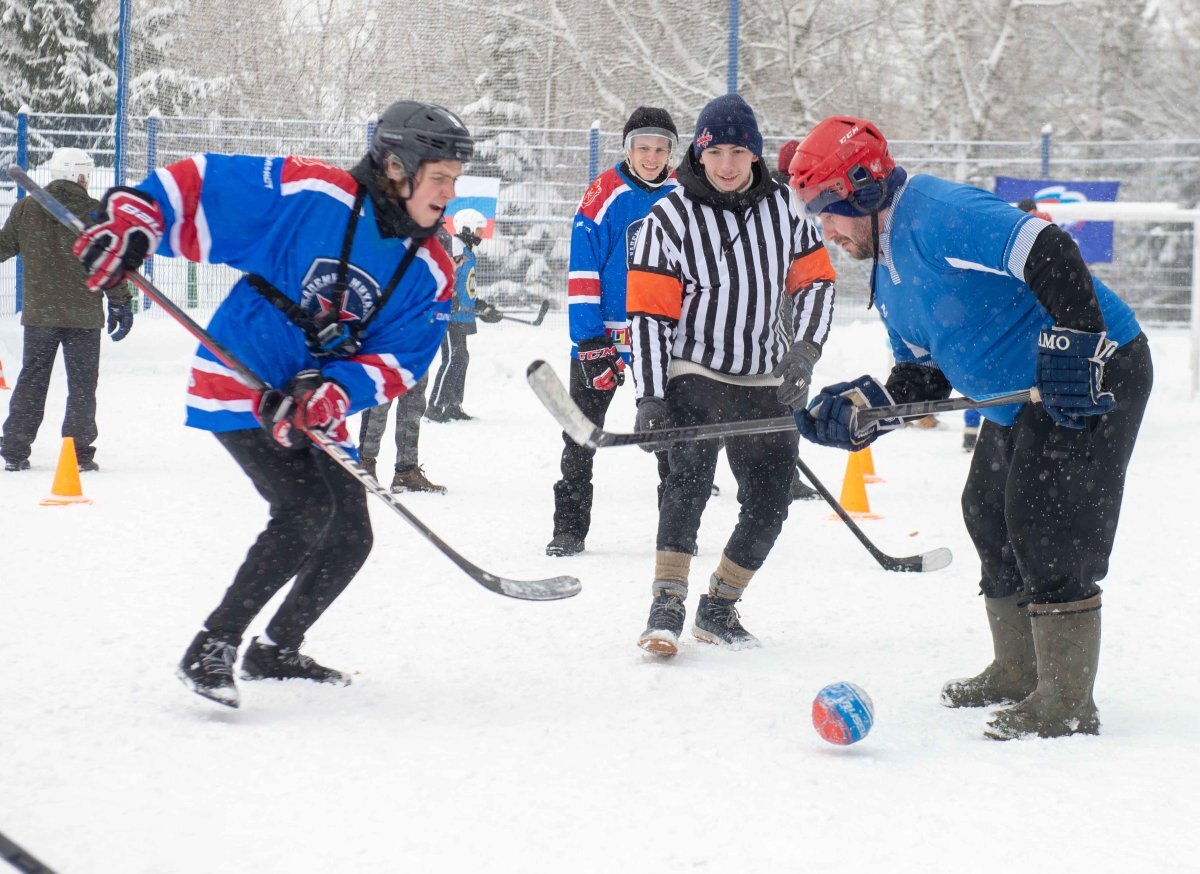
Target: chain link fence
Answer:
[[544, 173]]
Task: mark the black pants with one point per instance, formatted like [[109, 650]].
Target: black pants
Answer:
[[450, 383], [319, 532], [1042, 502], [81, 355], [763, 465], [573, 493]]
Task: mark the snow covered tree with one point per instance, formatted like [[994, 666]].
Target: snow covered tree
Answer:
[[55, 58], [525, 241]]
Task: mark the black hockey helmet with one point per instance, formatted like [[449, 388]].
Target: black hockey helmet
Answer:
[[414, 131]]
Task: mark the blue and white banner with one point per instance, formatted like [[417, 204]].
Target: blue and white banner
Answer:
[[1095, 239]]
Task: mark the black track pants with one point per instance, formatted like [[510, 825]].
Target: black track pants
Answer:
[[573, 493], [450, 382], [1042, 502], [81, 358], [763, 465], [319, 532]]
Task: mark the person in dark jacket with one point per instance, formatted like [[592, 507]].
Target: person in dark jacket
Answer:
[[59, 310]]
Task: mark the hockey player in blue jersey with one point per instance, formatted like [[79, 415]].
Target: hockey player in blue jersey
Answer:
[[983, 298], [342, 305], [606, 224]]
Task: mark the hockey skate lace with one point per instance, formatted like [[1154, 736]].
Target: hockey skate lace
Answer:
[[218, 658]]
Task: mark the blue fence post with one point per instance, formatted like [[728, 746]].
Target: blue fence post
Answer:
[[23, 163], [1046, 152], [594, 151], [123, 16], [731, 70], [151, 163]]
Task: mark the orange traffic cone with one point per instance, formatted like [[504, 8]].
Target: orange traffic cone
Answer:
[[3, 384], [867, 465], [66, 489], [854, 490]]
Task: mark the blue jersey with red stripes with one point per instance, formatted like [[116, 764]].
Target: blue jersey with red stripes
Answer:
[[606, 225], [950, 286], [284, 219]]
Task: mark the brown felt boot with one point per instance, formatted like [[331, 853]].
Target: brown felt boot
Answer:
[[1012, 675], [1067, 640]]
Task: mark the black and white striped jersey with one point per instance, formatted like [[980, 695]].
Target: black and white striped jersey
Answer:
[[711, 285]]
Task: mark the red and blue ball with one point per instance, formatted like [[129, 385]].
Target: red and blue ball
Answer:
[[842, 713]]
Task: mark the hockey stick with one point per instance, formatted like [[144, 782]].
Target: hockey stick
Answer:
[[537, 320], [550, 390], [555, 397], [934, 560], [20, 858], [550, 589]]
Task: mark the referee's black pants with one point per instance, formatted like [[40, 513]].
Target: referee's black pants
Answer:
[[319, 532], [1042, 501], [762, 464]]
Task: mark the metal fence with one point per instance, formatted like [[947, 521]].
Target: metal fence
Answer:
[[545, 171]]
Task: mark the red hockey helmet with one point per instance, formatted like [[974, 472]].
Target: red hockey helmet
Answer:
[[843, 158]]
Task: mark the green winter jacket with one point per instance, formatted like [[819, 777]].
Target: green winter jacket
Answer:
[[55, 293]]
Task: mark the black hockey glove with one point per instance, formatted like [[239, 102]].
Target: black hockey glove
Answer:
[[120, 320], [1070, 375], [652, 414], [603, 366], [485, 312], [795, 368]]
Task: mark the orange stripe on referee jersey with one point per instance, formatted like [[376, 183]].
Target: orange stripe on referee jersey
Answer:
[[810, 268], [654, 294]]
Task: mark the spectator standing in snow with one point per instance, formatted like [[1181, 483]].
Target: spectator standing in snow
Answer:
[[58, 311], [449, 385], [980, 297]]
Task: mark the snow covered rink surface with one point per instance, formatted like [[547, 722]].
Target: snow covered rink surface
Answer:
[[483, 733]]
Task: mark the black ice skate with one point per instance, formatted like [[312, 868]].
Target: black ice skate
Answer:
[[717, 622], [207, 667], [661, 636], [266, 662], [565, 544]]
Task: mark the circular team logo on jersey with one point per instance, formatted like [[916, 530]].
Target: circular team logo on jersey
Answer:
[[318, 290]]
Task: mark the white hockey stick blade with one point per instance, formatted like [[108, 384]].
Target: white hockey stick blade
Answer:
[[936, 559], [555, 398]]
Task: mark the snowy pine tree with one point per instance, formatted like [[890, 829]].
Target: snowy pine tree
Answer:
[[522, 251], [54, 57]]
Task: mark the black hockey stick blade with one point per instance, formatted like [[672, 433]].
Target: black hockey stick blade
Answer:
[[551, 589], [920, 409], [20, 858], [557, 400], [537, 320], [934, 560]]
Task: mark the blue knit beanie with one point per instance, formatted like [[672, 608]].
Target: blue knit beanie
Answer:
[[727, 120]]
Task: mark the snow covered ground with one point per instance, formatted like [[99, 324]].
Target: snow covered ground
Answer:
[[483, 733]]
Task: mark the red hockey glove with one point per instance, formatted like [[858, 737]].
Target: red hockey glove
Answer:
[[311, 403], [130, 226], [603, 366]]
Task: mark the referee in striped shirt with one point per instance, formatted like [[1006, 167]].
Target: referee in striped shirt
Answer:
[[730, 298]]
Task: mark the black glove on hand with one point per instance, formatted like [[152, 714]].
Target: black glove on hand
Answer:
[[485, 312], [120, 320], [603, 366], [796, 368], [652, 414]]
